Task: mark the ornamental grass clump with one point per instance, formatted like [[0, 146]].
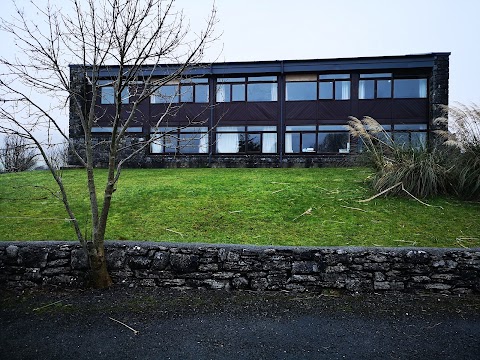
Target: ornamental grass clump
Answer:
[[400, 169], [464, 139]]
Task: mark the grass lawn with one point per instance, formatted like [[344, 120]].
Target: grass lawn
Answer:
[[245, 206]]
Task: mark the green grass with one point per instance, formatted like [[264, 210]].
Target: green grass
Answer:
[[245, 206]]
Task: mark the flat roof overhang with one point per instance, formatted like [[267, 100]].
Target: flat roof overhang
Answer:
[[417, 61]]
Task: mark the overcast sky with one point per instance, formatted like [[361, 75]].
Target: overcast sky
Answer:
[[316, 29], [253, 30]]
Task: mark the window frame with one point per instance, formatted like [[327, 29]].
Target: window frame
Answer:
[[246, 82], [244, 132], [176, 132], [194, 83], [334, 79]]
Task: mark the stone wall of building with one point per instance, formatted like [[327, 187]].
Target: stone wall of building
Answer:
[[237, 267]]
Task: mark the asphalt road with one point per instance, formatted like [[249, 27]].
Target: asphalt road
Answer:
[[222, 325]]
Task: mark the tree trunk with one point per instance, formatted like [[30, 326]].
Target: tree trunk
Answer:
[[99, 277]]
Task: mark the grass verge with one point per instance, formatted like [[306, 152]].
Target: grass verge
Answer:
[[244, 206]]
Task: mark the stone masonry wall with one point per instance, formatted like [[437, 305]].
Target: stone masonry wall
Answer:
[[454, 271]]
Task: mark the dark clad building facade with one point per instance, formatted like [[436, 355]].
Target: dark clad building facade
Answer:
[[272, 113]]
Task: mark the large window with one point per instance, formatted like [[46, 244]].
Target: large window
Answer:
[[313, 139], [301, 87], [249, 139], [375, 86], [410, 88], [253, 88], [410, 135], [107, 93], [188, 90], [172, 140], [334, 86]]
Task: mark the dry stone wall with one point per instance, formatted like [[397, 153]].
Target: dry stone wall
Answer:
[[232, 267]]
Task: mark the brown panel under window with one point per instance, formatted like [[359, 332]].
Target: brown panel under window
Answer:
[[334, 109], [377, 109], [247, 111], [410, 109], [301, 110]]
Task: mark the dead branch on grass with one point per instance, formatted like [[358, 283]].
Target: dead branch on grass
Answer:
[[306, 212], [353, 208], [175, 232]]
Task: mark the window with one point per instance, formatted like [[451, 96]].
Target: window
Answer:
[[334, 86], [301, 87], [333, 139], [172, 140], [300, 139], [410, 88], [250, 139], [257, 88], [107, 93], [410, 135], [188, 90], [313, 139], [375, 86], [230, 89]]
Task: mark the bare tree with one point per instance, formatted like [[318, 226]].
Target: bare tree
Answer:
[[126, 38], [16, 154]]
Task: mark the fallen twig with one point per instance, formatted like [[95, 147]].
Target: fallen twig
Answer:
[[381, 193], [353, 208], [280, 183], [403, 189], [277, 191], [306, 212], [48, 305], [175, 232], [235, 211], [128, 327]]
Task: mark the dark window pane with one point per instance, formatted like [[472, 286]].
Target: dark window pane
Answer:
[[254, 143], [238, 92], [189, 143], [186, 93], [342, 90], [301, 91], [326, 90], [401, 139], [170, 143], [384, 89], [333, 142], [410, 88], [366, 89], [262, 92], [419, 140], [308, 142], [201, 93]]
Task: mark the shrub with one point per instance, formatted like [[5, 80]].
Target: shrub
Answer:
[[464, 137], [420, 172]]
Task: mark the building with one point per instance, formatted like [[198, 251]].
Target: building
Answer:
[[275, 113]]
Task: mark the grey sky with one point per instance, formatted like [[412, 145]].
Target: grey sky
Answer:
[[255, 30], [311, 29]]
